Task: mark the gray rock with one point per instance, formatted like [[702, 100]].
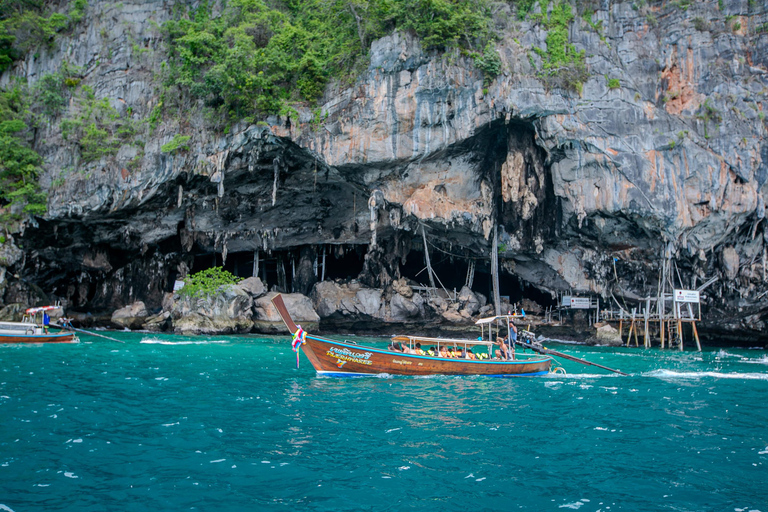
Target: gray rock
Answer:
[[132, 316], [605, 334], [402, 309], [225, 312], [253, 286], [267, 320], [731, 262]]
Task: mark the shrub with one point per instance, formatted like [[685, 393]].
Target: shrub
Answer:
[[179, 143], [614, 83], [19, 163], [207, 282]]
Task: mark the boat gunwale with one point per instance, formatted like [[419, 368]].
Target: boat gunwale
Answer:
[[529, 357]]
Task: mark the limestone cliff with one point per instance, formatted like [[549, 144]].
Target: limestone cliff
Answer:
[[660, 157]]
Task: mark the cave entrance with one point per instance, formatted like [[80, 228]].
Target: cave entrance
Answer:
[[451, 271], [278, 269]]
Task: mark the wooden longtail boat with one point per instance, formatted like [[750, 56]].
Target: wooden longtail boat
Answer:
[[346, 359], [31, 331]]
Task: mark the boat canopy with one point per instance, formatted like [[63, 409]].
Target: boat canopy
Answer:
[[491, 319], [440, 341], [32, 311]]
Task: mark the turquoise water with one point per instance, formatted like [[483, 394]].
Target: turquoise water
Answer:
[[164, 422]]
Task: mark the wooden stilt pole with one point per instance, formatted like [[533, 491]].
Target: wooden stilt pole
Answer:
[[621, 328], [680, 332], [629, 333], [636, 329], [255, 271], [646, 339], [661, 332], [696, 336]]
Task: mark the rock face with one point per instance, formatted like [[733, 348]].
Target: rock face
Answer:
[[661, 156]]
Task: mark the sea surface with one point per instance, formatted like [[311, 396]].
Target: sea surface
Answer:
[[164, 422]]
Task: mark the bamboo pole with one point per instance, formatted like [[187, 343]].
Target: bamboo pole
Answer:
[[646, 340], [636, 329], [696, 336]]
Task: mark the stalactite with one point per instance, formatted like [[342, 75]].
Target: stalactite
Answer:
[[276, 168], [181, 197]]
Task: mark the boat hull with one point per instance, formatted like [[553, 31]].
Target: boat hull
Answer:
[[335, 358], [63, 337]]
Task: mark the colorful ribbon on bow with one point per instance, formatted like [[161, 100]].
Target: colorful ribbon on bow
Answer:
[[299, 338]]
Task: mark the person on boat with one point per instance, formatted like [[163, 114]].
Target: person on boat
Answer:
[[432, 351], [443, 352], [470, 354], [501, 352], [418, 351]]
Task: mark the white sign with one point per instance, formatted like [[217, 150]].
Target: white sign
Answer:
[[566, 300], [687, 296], [178, 285], [580, 303]]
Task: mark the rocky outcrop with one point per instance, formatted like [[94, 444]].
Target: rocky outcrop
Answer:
[[661, 156], [229, 311], [352, 305], [267, 320], [131, 317]]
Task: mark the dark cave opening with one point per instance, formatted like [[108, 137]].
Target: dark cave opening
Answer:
[[276, 269], [452, 271]]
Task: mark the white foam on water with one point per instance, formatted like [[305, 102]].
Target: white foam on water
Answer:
[[5, 508], [671, 374], [575, 505], [157, 341], [217, 460], [479, 479], [393, 429], [764, 452], [70, 474], [580, 375]]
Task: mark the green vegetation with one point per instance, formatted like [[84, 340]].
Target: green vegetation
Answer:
[[523, 7], [25, 25], [52, 90], [207, 282], [179, 143], [19, 163], [708, 114], [700, 24], [563, 65], [97, 129], [681, 4], [489, 63], [614, 83], [255, 58]]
